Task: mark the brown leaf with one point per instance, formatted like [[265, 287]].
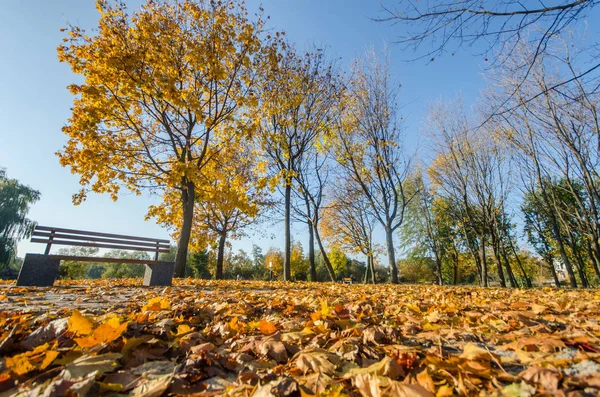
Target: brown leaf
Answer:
[[317, 360], [544, 377]]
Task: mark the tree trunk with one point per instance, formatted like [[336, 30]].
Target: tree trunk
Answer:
[[484, 275], [455, 264], [311, 253], [595, 255], [455, 273], [391, 255], [508, 268], [528, 281], [438, 265], [287, 268], [220, 256], [580, 264], [498, 263], [324, 254], [366, 279], [550, 260], [563, 253], [511, 275], [188, 197], [373, 275]]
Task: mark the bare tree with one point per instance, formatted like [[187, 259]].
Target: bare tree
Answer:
[[558, 139], [312, 178], [500, 26], [299, 98], [472, 171], [369, 147], [349, 223]]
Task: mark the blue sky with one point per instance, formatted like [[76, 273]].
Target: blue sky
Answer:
[[35, 103]]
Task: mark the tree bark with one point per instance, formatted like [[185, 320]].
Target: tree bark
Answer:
[[220, 256], [595, 255], [287, 268], [373, 278], [188, 197], [438, 265], [498, 263], [580, 263], [391, 255], [311, 253], [511, 275], [324, 254], [484, 275], [527, 278], [550, 260], [366, 279]]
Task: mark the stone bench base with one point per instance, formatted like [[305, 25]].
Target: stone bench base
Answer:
[[41, 270], [159, 274], [38, 270]]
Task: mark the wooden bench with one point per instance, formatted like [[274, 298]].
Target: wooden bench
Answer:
[[42, 269]]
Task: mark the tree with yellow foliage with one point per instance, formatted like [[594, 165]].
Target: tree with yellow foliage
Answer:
[[275, 260], [164, 89], [230, 197]]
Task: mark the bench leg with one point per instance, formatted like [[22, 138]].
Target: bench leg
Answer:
[[159, 274], [38, 270]]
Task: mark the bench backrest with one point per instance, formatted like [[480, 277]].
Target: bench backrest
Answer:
[[57, 236]]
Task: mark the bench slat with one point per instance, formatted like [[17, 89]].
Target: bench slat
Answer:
[[101, 259], [84, 244], [64, 236], [85, 233]]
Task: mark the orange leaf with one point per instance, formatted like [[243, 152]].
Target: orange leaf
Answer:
[[266, 327]]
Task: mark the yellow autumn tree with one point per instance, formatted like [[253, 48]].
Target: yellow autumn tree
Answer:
[[274, 261], [230, 196], [163, 89]]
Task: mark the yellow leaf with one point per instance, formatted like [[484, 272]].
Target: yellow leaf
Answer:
[[183, 329], [157, 304], [79, 324], [445, 391], [105, 333], [325, 309], [19, 364], [50, 357]]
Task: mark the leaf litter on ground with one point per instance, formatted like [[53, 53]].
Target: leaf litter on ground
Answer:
[[242, 338]]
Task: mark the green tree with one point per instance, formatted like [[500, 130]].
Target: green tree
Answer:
[[15, 200], [198, 265], [75, 270], [339, 261], [125, 270]]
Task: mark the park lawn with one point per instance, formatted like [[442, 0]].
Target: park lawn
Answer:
[[242, 338]]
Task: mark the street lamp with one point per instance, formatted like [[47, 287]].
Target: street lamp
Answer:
[[270, 271]]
